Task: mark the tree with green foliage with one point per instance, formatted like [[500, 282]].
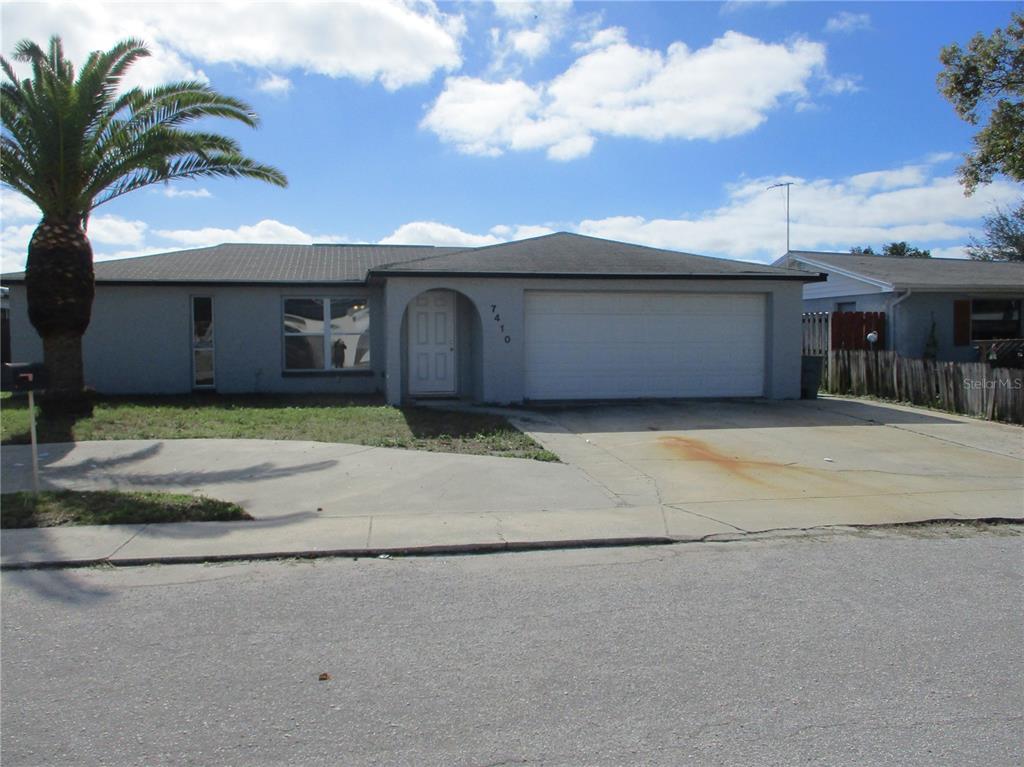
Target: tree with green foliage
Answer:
[[894, 249], [71, 143], [988, 77], [1004, 237]]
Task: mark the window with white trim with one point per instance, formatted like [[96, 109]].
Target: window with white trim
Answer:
[[326, 333]]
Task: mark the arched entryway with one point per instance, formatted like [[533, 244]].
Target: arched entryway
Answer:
[[441, 346]]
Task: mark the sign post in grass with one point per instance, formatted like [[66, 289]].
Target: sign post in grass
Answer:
[[35, 444]]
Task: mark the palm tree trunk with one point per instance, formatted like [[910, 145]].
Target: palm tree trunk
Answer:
[[60, 285]]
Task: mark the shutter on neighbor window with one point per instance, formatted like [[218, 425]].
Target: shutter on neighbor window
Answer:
[[961, 323]]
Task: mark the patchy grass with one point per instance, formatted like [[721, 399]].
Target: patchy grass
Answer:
[[108, 507], [363, 421]]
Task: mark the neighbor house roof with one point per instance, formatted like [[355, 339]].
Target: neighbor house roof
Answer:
[[896, 273], [574, 255], [256, 263]]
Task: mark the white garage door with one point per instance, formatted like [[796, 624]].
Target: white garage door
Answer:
[[596, 345]]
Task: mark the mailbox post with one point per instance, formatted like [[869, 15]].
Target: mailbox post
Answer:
[[28, 377]]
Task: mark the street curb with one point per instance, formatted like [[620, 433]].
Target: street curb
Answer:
[[487, 548], [397, 551]]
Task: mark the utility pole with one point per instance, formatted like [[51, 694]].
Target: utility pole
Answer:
[[786, 184]]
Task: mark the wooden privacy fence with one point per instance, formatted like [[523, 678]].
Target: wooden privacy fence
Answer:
[[827, 331], [970, 388], [850, 330]]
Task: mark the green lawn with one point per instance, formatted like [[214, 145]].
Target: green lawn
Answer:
[[68, 507], [364, 421]]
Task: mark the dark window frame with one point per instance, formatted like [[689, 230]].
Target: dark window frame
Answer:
[[327, 335], [974, 310], [207, 344]]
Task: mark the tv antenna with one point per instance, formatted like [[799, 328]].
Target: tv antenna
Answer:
[[786, 184]]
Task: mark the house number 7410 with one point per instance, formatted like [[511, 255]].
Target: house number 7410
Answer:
[[501, 328]]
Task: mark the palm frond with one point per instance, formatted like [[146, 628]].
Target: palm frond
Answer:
[[74, 143]]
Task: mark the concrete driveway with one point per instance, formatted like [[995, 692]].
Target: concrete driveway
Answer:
[[759, 465], [694, 470]]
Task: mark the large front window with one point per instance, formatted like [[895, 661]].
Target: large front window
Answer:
[[326, 334], [993, 318]]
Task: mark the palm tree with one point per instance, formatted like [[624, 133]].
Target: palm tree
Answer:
[[70, 144]]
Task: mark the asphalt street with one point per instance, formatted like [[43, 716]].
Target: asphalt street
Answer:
[[880, 647]]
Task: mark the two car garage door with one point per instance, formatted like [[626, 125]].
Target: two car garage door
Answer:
[[614, 345]]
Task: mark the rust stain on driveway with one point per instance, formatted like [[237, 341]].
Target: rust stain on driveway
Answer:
[[697, 450], [781, 477]]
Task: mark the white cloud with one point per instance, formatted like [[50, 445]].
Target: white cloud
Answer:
[[481, 117], [957, 251], [908, 175], [836, 85], [266, 231], [826, 214], [433, 233], [394, 42], [275, 85], [734, 6], [527, 30], [845, 21], [908, 203], [17, 207], [171, 191], [114, 230], [520, 231], [723, 90], [14, 246], [21, 217], [515, 10], [602, 38]]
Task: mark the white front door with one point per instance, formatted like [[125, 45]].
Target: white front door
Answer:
[[431, 342]]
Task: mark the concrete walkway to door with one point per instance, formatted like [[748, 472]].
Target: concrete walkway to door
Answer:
[[761, 465]]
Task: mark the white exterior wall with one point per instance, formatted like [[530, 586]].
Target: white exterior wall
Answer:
[[139, 340], [503, 363]]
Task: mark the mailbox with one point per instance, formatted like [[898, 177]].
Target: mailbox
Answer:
[[24, 376]]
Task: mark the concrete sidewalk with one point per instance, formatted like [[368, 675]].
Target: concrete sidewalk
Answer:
[[308, 535], [633, 473]]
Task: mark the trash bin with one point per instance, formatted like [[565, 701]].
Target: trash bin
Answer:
[[810, 376]]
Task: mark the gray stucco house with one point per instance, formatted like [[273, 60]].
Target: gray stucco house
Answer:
[[557, 317], [968, 301]]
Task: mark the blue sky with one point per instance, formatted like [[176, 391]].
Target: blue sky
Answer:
[[473, 123]]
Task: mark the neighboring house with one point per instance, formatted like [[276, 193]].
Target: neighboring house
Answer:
[[557, 317], [966, 302]]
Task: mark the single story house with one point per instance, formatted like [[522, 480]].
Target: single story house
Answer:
[[966, 302], [557, 317]]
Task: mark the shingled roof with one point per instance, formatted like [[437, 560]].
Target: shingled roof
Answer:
[[256, 263], [553, 255], [919, 273], [563, 254]]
